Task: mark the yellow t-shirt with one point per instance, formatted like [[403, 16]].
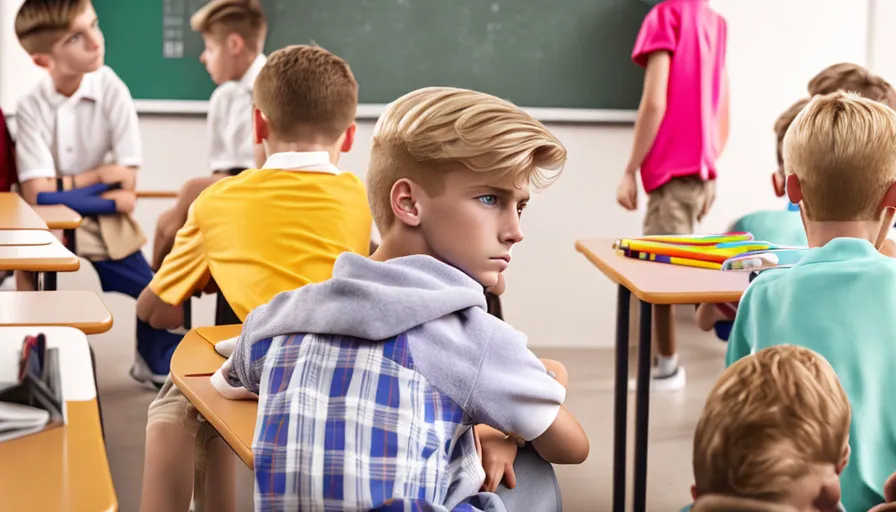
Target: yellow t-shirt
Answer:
[[263, 232]]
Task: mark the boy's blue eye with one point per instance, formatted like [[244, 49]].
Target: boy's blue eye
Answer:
[[488, 200]]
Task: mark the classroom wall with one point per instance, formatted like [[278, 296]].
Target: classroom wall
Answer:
[[553, 294]]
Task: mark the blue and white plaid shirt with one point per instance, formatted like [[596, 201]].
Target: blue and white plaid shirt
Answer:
[[346, 424], [377, 413]]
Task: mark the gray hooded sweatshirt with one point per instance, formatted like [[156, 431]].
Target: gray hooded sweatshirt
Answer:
[[369, 385]]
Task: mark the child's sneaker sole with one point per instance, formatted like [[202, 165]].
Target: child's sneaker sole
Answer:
[[668, 384]]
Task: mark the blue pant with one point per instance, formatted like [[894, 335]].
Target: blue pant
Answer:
[[130, 276]]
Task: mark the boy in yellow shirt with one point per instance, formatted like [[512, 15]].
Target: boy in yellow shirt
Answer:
[[257, 234]]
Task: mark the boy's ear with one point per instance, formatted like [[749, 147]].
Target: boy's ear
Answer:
[[349, 139], [778, 184], [234, 43], [694, 492], [844, 459], [404, 202], [41, 60], [260, 126], [794, 190], [889, 200]]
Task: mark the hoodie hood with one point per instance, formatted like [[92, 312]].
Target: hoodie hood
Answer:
[[369, 299]]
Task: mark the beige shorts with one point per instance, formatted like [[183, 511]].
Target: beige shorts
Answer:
[[672, 209], [171, 406]]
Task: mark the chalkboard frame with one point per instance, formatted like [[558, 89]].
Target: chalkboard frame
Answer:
[[373, 111]]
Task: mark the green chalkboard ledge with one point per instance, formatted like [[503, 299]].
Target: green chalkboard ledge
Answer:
[[372, 112]]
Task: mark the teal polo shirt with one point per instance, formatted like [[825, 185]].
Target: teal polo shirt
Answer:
[[840, 301]]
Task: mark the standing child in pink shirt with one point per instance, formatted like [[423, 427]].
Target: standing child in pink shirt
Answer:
[[681, 129]]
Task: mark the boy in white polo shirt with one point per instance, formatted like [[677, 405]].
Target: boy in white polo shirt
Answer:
[[78, 144], [234, 33]]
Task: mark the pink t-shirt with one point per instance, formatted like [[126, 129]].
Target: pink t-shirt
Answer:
[[687, 142]]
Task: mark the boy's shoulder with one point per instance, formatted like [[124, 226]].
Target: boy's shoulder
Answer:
[[100, 85]]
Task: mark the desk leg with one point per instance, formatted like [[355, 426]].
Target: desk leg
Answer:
[[99, 406], [620, 400], [50, 281], [642, 406]]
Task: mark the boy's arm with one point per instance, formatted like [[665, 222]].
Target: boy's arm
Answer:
[[650, 116], [126, 144], [230, 132], [514, 393], [651, 109], [184, 272], [724, 112], [34, 160], [564, 442]]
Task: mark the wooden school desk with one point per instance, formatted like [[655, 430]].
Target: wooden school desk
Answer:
[[15, 213], [64, 468], [193, 362], [59, 216], [81, 310], [49, 258], [20, 237], [651, 283]]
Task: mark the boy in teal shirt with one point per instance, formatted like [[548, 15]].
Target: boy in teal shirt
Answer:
[[784, 227], [840, 159]]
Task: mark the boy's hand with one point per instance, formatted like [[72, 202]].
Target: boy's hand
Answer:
[[125, 200], [498, 454], [627, 192], [114, 173], [167, 226]]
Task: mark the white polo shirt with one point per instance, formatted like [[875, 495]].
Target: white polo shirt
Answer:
[[96, 125], [230, 122]]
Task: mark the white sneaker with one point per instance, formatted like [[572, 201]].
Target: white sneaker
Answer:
[[664, 384], [141, 373]]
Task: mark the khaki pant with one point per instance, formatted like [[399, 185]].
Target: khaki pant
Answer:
[[171, 406], [672, 209]]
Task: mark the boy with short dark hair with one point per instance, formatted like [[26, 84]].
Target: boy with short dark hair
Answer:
[[67, 126], [258, 234]]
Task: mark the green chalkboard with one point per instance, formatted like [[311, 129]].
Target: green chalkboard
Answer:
[[552, 54]]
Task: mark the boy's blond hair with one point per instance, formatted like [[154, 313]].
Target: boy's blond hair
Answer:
[[843, 149], [849, 77], [434, 130], [40, 24], [222, 17], [782, 124], [307, 93], [769, 418]]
